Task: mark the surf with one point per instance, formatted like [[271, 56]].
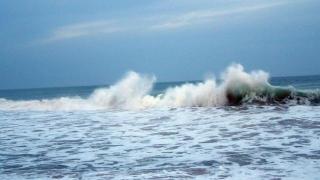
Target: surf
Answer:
[[235, 87]]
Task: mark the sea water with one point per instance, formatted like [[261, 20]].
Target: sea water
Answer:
[[140, 129]]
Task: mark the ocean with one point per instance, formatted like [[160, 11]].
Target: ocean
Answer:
[[245, 125]]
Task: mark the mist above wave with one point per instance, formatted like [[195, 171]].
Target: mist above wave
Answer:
[[133, 91]]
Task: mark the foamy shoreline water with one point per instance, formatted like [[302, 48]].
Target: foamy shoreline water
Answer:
[[261, 142], [185, 131]]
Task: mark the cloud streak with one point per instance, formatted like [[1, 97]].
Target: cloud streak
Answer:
[[197, 17], [158, 23], [82, 30]]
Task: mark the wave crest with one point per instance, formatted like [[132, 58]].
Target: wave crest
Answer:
[[134, 92]]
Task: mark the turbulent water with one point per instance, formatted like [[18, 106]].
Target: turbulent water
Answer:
[[242, 126]]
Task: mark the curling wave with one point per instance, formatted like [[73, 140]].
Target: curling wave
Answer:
[[134, 92]]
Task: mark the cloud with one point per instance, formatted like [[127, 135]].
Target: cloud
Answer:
[[196, 17], [82, 29], [152, 23]]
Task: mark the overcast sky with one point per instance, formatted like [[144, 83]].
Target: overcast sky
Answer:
[[80, 42]]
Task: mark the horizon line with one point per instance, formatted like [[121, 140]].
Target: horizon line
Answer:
[[160, 82]]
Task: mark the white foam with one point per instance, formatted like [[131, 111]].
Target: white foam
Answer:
[[133, 92]]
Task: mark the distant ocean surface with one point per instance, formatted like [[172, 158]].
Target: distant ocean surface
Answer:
[[244, 126]]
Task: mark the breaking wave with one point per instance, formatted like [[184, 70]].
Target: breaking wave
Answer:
[[134, 92]]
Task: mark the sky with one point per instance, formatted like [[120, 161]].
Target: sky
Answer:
[[79, 42]]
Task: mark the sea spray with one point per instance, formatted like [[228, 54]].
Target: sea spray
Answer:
[[134, 91], [129, 92]]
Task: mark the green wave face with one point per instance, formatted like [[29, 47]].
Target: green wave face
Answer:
[[242, 93]]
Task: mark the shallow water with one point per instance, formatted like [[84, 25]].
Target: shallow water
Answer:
[[129, 131], [246, 142]]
